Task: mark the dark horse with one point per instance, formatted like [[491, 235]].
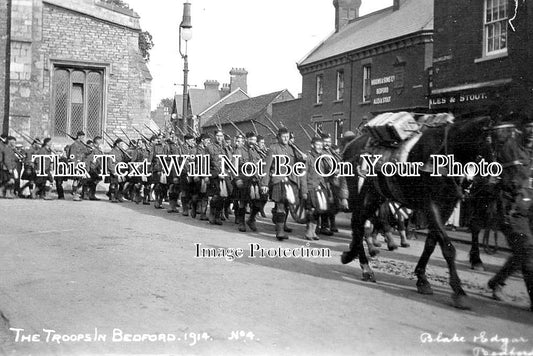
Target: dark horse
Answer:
[[435, 196]]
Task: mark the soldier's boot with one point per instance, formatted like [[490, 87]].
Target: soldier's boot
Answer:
[[92, 193], [310, 231], [372, 249], [324, 226], [84, 192], [194, 207], [146, 196], [251, 220], [279, 218], [391, 244], [2, 191], [286, 228], [203, 211], [218, 217], [34, 192], [185, 205], [211, 216], [75, 193], [173, 206], [47, 193], [113, 197], [120, 196], [240, 215], [10, 194], [333, 224]]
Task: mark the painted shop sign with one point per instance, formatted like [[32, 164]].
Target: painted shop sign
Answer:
[[457, 99], [383, 89]]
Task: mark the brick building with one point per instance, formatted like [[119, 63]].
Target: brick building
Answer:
[[76, 65], [481, 65], [371, 64]]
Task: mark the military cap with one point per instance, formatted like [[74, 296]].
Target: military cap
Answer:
[[46, 140], [348, 134], [117, 141], [36, 141], [250, 134], [204, 136], [80, 133], [188, 137]]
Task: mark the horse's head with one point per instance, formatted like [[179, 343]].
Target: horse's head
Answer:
[[469, 139]]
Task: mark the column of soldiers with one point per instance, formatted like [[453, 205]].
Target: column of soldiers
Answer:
[[208, 198]]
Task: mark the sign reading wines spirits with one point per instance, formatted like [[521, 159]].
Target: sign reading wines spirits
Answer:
[[383, 90]]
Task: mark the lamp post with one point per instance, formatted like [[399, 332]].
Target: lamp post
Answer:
[[185, 35]]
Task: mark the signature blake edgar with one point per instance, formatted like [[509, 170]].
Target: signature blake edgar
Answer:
[[505, 343]]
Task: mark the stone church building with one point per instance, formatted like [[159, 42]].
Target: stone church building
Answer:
[[76, 65]]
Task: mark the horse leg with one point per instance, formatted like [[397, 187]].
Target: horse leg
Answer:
[[422, 285], [449, 253], [475, 259]]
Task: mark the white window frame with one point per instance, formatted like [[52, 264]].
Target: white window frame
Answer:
[[488, 24], [367, 80], [319, 88], [340, 85]]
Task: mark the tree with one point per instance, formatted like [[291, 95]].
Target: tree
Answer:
[[145, 44], [167, 102]]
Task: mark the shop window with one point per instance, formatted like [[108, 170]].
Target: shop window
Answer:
[[495, 27], [78, 101]]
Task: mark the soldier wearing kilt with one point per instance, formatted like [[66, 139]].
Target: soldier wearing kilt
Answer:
[[219, 188], [199, 192], [8, 170], [43, 184], [76, 153], [29, 173], [159, 179], [241, 184], [94, 168], [173, 179], [187, 184], [315, 192], [257, 199], [115, 181], [283, 190]]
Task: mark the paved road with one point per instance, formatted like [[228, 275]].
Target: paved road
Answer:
[[116, 269]]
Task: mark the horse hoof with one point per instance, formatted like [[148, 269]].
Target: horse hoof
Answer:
[[478, 267], [369, 277], [461, 302], [347, 257], [424, 289]]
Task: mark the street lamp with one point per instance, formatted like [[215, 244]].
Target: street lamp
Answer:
[[185, 35]]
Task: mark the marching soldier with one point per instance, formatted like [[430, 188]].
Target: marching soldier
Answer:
[[186, 181], [29, 167], [283, 190], [241, 184], [262, 148], [173, 179], [159, 179], [314, 189], [516, 192], [257, 200], [115, 181], [43, 184], [76, 153], [8, 171], [199, 193], [94, 168], [219, 189]]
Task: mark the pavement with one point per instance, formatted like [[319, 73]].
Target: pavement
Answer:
[[101, 278]]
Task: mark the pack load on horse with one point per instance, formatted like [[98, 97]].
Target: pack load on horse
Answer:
[[396, 139]]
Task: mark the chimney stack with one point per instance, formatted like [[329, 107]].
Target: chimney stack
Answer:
[[238, 79], [396, 5], [211, 85], [345, 11], [225, 90]]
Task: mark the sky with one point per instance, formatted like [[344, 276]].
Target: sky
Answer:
[[267, 38]]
